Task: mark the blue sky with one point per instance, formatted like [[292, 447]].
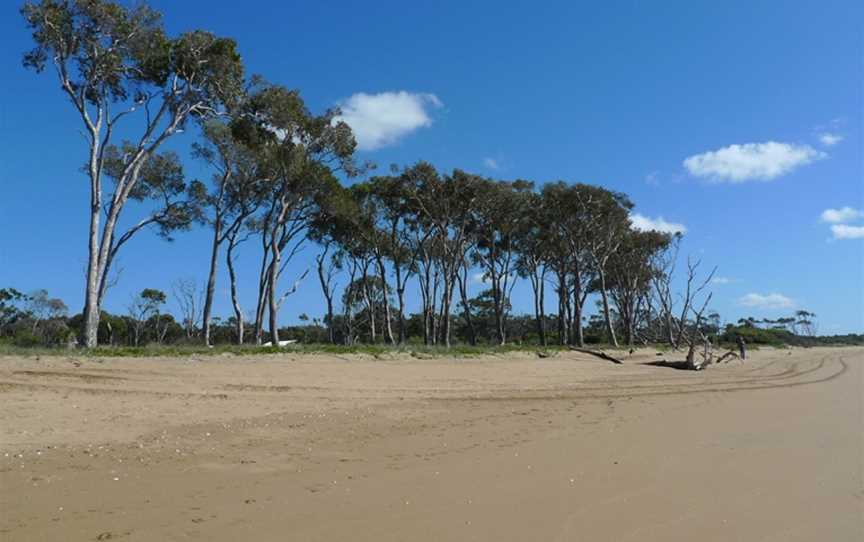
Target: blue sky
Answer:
[[741, 121]]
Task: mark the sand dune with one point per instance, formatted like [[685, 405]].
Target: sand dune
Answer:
[[499, 448]]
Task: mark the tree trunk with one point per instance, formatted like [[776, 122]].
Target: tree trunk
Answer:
[[541, 304], [400, 295], [463, 291], [370, 305], [434, 319], [497, 302], [328, 295], [260, 306], [446, 298], [604, 295], [562, 295], [90, 332], [271, 290], [424, 295], [211, 280], [535, 287], [382, 274], [578, 300], [235, 301]]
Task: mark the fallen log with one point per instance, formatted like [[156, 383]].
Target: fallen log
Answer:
[[597, 353], [729, 354]]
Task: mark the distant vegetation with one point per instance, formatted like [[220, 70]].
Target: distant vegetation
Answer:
[[38, 323]]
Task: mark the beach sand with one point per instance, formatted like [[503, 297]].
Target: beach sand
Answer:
[[509, 447]]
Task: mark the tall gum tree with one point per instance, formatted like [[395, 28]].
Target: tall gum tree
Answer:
[[382, 221], [500, 215], [331, 229], [114, 62], [303, 152], [629, 274], [446, 204], [533, 250], [608, 224], [569, 235], [234, 194]]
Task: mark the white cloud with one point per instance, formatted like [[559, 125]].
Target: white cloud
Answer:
[[844, 231], [829, 140], [722, 280], [740, 163], [479, 278], [769, 301], [491, 163], [840, 216], [379, 120], [644, 223]]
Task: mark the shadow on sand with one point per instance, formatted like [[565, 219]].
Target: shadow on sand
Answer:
[[679, 365]]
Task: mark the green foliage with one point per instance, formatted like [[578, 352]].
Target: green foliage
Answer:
[[11, 307], [25, 339], [778, 337]]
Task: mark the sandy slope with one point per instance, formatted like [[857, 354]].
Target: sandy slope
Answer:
[[515, 448]]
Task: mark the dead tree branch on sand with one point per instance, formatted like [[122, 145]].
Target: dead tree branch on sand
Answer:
[[597, 353], [695, 337], [729, 354]]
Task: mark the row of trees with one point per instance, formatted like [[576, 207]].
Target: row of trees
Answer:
[[37, 319], [34, 318], [437, 230], [802, 322], [274, 182]]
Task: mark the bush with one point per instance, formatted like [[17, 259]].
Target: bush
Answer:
[[25, 339]]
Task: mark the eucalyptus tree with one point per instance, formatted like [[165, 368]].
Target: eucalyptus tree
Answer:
[[328, 263], [189, 298], [568, 255], [368, 231], [804, 323], [400, 249], [446, 205], [533, 255], [608, 223], [332, 228], [465, 302], [356, 259], [143, 308], [114, 63], [12, 303], [629, 276], [385, 220], [423, 244], [302, 151], [363, 302], [500, 216], [235, 193], [246, 196], [161, 184], [41, 307]]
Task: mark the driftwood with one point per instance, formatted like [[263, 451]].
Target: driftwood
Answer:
[[597, 353], [691, 359], [729, 354]]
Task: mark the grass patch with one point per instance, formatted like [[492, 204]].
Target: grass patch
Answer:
[[379, 351]]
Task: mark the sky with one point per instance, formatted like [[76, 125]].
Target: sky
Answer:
[[739, 123]]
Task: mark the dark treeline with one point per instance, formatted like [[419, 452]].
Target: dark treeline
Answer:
[[36, 319], [275, 184]]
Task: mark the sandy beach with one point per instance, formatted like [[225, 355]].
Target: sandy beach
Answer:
[[515, 447]]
